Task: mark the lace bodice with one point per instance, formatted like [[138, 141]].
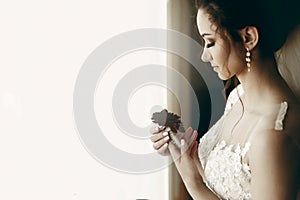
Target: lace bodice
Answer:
[[226, 172]]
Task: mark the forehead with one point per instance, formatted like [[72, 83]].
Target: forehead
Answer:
[[203, 23]]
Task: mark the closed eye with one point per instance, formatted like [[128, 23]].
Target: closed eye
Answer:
[[210, 44]]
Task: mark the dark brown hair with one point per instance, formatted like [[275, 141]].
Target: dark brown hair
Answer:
[[274, 19]]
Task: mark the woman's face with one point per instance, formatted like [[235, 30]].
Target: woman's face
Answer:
[[226, 58]]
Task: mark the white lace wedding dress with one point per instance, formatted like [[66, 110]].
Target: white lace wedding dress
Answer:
[[226, 173]]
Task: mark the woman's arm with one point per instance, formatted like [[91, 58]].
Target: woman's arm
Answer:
[[274, 162]]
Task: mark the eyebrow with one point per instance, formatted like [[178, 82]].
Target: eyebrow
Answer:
[[205, 34]]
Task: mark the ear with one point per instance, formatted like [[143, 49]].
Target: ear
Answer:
[[249, 36]]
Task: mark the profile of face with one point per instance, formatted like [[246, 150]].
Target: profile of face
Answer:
[[225, 56]]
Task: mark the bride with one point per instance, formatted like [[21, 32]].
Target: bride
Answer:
[[253, 151]]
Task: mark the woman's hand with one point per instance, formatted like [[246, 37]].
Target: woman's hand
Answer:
[[187, 163], [186, 158], [160, 140]]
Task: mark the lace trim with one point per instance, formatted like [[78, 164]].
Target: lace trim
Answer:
[[281, 116]]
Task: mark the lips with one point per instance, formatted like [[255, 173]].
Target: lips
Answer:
[[215, 68]]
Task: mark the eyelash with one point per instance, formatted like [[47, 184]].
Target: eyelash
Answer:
[[210, 44]]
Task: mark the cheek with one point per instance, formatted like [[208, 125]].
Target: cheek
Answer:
[[236, 61], [222, 54], [222, 58]]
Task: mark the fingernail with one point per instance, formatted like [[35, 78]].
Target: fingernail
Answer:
[[182, 142], [166, 138], [165, 133]]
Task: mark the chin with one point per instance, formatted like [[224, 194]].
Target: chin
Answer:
[[224, 74], [224, 77]]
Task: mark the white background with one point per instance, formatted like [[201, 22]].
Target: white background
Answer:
[[42, 47]]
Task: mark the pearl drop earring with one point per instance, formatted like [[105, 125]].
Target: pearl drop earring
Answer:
[[248, 59]]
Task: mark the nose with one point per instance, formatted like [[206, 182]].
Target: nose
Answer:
[[205, 57]]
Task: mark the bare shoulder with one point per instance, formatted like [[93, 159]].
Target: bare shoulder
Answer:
[[288, 137], [291, 122], [274, 157]]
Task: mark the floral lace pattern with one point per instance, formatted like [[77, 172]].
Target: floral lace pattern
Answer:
[[226, 173], [208, 141]]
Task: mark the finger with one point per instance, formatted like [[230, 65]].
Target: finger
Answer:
[[158, 144], [175, 152], [189, 146], [185, 148], [194, 149], [152, 129], [188, 140], [155, 129], [179, 136], [158, 136], [188, 133], [194, 136], [194, 152], [163, 149]]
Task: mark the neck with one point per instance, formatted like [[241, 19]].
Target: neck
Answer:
[[262, 84]]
